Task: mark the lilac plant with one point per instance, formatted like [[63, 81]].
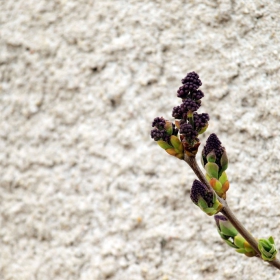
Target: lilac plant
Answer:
[[181, 139]]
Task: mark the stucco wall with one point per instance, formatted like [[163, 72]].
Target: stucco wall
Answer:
[[85, 193]]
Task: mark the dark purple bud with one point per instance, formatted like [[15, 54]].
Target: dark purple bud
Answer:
[[192, 81], [200, 190], [189, 105], [159, 123], [157, 135], [182, 92], [198, 94], [200, 120], [177, 113], [189, 88], [185, 91], [188, 131], [213, 144]]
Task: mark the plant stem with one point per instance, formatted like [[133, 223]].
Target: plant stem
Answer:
[[191, 161]]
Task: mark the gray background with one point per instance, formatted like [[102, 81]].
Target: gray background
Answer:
[[85, 193]]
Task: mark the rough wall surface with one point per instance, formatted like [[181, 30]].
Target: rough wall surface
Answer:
[[85, 193]]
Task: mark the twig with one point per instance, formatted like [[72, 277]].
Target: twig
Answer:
[[191, 161]]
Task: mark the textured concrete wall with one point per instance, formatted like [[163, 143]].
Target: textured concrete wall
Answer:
[[85, 193]]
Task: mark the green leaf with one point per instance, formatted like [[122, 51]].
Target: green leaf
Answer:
[[249, 249], [217, 205], [223, 178], [216, 185], [267, 248], [212, 169], [202, 203], [210, 211], [203, 129], [271, 240], [228, 229], [224, 162], [239, 241], [211, 157], [176, 143], [241, 251], [164, 145], [171, 152]]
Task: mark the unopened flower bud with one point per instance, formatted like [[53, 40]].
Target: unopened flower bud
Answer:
[[205, 198], [189, 105], [157, 135], [215, 161], [188, 132], [177, 112], [225, 228], [192, 81], [159, 123], [214, 145], [190, 86], [200, 122], [197, 94], [163, 130]]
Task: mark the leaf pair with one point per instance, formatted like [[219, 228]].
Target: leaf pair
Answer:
[[176, 148], [220, 185], [267, 249], [231, 236]]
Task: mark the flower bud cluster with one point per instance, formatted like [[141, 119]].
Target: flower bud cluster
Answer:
[[205, 198], [181, 141], [186, 112], [165, 134], [188, 122], [200, 120], [213, 145], [189, 105], [159, 123], [215, 161], [163, 130], [190, 85], [188, 131], [197, 95], [157, 135]]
